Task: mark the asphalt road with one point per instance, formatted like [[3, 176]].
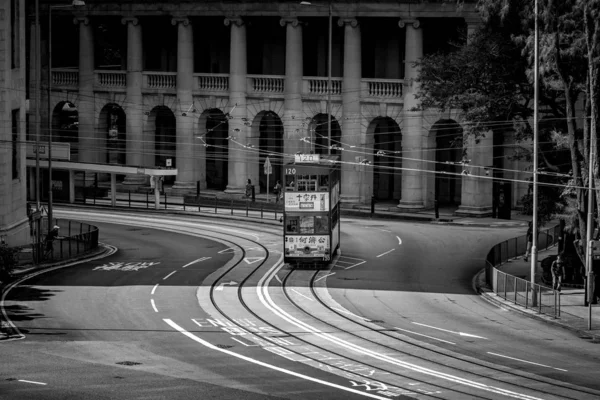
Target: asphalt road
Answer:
[[212, 313]]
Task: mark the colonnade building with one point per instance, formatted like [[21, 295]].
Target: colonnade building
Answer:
[[212, 88]]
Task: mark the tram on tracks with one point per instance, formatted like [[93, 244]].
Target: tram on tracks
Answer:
[[311, 231]]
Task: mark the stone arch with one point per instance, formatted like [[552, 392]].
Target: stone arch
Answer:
[[65, 126], [161, 129], [213, 128], [446, 137], [266, 140], [385, 138], [112, 128]]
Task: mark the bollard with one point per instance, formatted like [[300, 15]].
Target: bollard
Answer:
[[436, 206], [254, 194], [129, 193], [215, 204], [231, 206], [247, 203], [261, 210], [147, 199], [165, 200], [515, 287]]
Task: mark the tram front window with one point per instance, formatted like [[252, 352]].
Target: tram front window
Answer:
[[307, 224], [290, 184], [321, 224]]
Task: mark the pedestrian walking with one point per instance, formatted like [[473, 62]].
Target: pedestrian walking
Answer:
[[50, 238], [529, 241], [558, 272], [277, 191]]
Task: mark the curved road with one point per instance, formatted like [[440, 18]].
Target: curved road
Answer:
[[215, 314]]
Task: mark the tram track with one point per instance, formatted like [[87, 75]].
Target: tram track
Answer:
[[582, 392]]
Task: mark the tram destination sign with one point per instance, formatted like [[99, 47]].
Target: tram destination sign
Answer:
[[307, 158], [307, 246], [306, 201]]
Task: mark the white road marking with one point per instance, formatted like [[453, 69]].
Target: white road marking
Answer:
[[399, 240], [387, 252], [449, 331], [252, 260], [356, 265], [525, 361], [227, 250], [324, 276], [247, 345], [349, 313], [154, 289], [420, 334], [298, 293], [169, 275], [221, 285], [278, 279], [265, 298], [34, 382], [153, 305], [195, 261], [385, 230], [270, 366]]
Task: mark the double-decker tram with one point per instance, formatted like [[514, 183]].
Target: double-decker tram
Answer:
[[311, 233]]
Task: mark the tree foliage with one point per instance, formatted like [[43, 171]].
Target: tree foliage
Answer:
[[490, 81]]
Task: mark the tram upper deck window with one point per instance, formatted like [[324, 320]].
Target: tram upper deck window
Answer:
[[307, 183]]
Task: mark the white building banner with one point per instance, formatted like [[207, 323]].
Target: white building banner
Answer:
[[306, 201], [307, 246]]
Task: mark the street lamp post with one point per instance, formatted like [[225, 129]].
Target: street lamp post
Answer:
[[534, 238], [329, 51], [75, 3]]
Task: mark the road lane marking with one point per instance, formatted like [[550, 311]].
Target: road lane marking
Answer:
[[298, 293], [349, 313], [525, 361], [196, 261], [34, 382], [278, 279], [252, 260], [420, 334], [324, 276], [265, 298], [154, 289], [270, 366], [449, 331], [399, 240], [247, 345], [153, 305], [355, 265], [169, 275], [387, 252], [220, 287]]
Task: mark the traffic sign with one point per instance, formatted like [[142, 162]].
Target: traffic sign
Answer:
[[268, 168]]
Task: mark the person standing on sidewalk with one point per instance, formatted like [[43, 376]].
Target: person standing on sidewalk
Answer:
[[558, 272], [277, 191], [529, 241]]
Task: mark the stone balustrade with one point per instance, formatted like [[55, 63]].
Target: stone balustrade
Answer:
[[268, 85]]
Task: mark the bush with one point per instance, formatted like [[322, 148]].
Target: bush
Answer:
[[8, 260]]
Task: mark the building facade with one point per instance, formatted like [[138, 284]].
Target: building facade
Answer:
[[213, 88], [14, 225]]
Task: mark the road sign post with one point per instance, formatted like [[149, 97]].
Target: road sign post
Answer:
[[268, 169]]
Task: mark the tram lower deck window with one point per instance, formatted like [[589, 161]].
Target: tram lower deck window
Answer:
[[306, 224]]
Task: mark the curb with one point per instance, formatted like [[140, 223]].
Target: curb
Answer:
[[486, 294]]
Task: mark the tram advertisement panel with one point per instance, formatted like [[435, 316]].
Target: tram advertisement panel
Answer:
[[307, 246], [306, 201]]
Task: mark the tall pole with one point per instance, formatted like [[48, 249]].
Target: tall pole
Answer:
[[535, 154], [588, 234], [329, 51], [49, 119], [37, 102]]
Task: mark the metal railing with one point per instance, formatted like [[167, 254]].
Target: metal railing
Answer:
[[74, 238], [203, 204], [520, 291]]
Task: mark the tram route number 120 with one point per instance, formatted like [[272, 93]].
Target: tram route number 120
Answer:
[[290, 171]]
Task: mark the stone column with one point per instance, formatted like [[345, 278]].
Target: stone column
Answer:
[[476, 195], [92, 149], [238, 165], [294, 125], [133, 106], [412, 126], [184, 159], [353, 172]]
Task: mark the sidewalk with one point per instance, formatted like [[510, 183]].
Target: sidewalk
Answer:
[[573, 316]]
